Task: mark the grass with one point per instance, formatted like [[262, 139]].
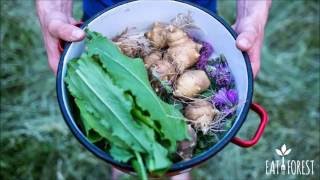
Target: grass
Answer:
[[36, 144]]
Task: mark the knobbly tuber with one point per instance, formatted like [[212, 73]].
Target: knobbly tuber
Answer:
[[132, 43], [191, 83], [198, 109], [130, 50], [152, 58], [201, 113], [182, 49], [185, 148], [158, 35], [164, 70]]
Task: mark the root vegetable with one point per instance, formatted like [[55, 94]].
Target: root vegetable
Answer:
[[158, 35], [164, 70], [176, 36], [166, 57], [192, 83], [182, 50], [198, 109], [185, 148], [202, 114], [132, 43], [152, 58], [130, 50]]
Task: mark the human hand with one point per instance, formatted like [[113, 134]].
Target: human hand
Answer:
[[56, 23], [251, 20]]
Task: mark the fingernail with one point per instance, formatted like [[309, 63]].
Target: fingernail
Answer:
[[77, 34], [244, 43]]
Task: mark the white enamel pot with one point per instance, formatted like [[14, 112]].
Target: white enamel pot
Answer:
[[142, 14]]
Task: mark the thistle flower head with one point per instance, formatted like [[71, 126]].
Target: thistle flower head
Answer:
[[232, 96], [223, 76], [225, 99], [205, 53]]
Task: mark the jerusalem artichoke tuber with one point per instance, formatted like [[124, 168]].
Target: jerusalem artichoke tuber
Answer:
[[158, 35], [201, 113], [182, 49], [163, 69], [152, 58], [191, 83], [133, 43]]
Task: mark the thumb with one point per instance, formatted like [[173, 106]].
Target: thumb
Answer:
[[247, 38], [65, 31]]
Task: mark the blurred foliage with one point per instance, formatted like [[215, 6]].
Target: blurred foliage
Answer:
[[36, 143]]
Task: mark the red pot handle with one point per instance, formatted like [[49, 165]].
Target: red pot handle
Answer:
[[62, 42], [263, 122]]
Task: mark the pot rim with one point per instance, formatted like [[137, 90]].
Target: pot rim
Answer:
[[179, 166]]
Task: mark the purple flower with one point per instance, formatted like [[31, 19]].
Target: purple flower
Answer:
[[202, 62], [219, 71], [205, 53], [220, 99], [232, 96], [223, 76], [206, 49], [225, 99]]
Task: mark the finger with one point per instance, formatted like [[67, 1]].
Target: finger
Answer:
[[255, 67], [53, 64], [53, 60], [65, 31], [246, 39], [255, 55], [52, 53]]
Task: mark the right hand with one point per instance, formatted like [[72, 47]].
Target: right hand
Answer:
[[56, 23]]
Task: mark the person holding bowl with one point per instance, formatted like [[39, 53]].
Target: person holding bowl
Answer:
[[57, 24]]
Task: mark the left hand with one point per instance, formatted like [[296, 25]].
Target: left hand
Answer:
[[251, 19]]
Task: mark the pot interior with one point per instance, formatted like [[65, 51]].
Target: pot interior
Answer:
[[142, 14]]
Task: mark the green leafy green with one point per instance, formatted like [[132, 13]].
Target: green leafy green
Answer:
[[139, 167], [117, 104], [130, 74], [105, 108], [112, 108]]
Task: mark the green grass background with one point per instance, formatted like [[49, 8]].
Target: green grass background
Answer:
[[36, 143]]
